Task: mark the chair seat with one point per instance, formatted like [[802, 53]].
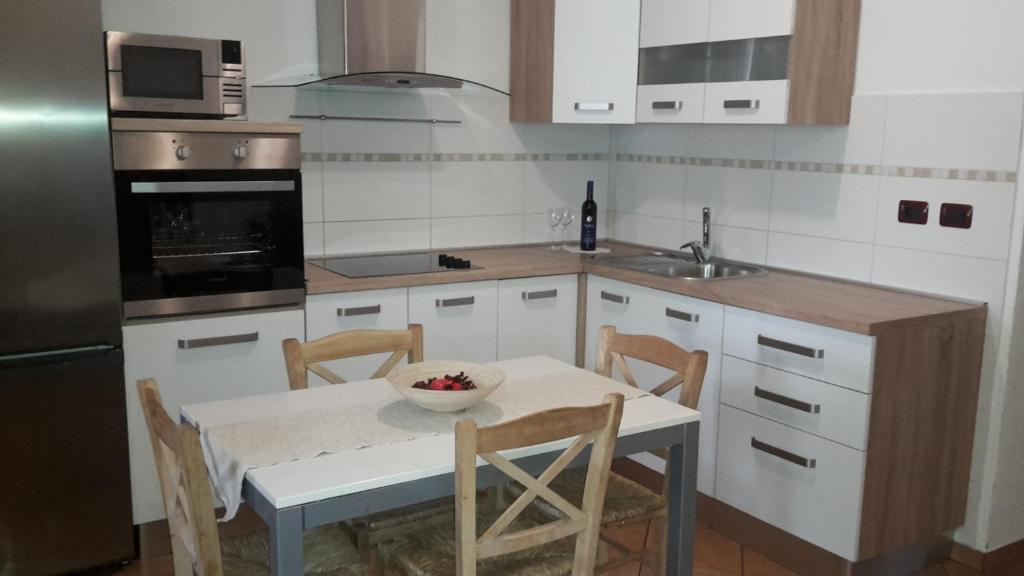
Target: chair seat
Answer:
[[399, 517], [624, 499], [432, 553], [327, 551]]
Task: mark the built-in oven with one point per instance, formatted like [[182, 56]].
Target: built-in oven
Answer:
[[208, 221], [175, 76]]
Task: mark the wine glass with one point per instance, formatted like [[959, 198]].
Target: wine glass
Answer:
[[554, 217], [567, 218]]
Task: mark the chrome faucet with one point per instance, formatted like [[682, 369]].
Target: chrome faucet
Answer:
[[702, 250]]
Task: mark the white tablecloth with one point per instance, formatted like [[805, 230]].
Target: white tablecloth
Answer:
[[380, 419]]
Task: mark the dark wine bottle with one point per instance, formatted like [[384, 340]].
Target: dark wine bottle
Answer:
[[588, 222]]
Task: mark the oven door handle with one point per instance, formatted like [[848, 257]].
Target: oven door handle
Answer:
[[213, 186]]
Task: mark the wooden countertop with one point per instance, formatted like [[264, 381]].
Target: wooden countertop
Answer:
[[844, 305], [219, 126]]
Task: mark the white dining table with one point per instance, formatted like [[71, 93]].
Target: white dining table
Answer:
[[299, 495]]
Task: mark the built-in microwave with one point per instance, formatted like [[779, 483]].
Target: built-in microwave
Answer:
[[174, 76]]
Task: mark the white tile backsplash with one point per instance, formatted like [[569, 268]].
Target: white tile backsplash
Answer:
[[312, 192], [476, 188], [988, 237], [741, 142], [650, 189], [838, 206], [484, 125], [662, 140], [650, 230], [975, 131], [376, 191], [731, 242], [737, 196], [376, 236], [353, 136], [838, 258], [476, 231], [564, 183], [313, 239], [859, 143]]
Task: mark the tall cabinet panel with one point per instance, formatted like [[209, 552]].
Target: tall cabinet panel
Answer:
[[668, 22]]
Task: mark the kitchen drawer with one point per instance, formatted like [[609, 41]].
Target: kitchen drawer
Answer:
[[841, 358], [752, 102], [328, 314], [822, 409], [820, 504], [537, 316], [198, 360], [460, 321], [670, 103]]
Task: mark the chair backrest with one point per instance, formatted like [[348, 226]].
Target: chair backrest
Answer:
[[299, 357], [185, 485], [689, 367], [598, 424]]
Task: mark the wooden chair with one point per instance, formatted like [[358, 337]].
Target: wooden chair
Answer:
[[188, 503], [300, 358], [628, 502], [513, 543]]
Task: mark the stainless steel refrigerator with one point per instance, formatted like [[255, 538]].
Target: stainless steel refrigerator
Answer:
[[65, 500]]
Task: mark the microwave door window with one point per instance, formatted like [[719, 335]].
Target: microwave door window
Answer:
[[151, 72]]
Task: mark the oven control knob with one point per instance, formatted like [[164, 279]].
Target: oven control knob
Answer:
[[183, 152], [241, 151]]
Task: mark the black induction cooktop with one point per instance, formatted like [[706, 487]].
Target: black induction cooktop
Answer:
[[393, 264]]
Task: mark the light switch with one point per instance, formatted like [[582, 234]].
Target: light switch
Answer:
[[913, 212], [956, 215]]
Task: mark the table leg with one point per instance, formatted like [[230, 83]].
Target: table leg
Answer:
[[682, 502], [286, 542]]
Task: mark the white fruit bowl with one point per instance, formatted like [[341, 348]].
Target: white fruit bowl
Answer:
[[486, 378]]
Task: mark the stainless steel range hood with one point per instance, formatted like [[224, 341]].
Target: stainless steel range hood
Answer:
[[384, 44]]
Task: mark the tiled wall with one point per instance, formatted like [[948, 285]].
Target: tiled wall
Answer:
[[383, 186], [824, 200]]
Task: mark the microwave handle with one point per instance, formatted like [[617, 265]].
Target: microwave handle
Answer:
[[213, 186]]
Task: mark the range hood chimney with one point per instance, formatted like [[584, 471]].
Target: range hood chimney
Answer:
[[384, 43]]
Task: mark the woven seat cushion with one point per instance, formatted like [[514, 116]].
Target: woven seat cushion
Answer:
[[327, 551], [416, 513], [432, 553], [623, 501]]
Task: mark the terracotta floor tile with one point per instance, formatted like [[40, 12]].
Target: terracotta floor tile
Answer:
[[755, 564], [715, 552], [957, 569]]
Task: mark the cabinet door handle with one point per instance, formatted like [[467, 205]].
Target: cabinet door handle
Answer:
[[454, 302], [680, 315], [741, 104], [540, 295], [614, 298], [595, 106], [787, 401], [783, 454], [359, 311], [218, 341], [667, 105], [816, 353]]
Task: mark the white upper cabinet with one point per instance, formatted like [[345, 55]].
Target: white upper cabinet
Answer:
[[669, 22], [595, 61], [739, 19], [574, 61], [469, 39]]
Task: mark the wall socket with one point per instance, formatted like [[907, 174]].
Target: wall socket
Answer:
[[956, 215], [913, 212]]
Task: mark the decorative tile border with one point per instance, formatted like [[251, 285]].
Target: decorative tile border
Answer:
[[828, 168], [452, 157]]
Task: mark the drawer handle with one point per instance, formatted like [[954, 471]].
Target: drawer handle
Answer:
[[218, 341], [780, 453], [359, 311], [680, 315], [454, 302], [667, 105], [595, 106], [741, 104], [787, 401], [816, 353], [540, 295], [614, 298]]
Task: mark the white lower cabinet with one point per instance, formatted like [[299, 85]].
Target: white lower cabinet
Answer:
[[460, 321], [537, 316], [370, 310], [198, 360], [689, 323], [803, 484]]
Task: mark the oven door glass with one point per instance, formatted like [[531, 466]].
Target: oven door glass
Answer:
[[200, 233]]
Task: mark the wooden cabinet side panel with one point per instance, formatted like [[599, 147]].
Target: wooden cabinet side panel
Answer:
[[921, 436], [533, 60], [823, 61]]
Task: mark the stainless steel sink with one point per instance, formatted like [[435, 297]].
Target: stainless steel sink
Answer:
[[672, 266]]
